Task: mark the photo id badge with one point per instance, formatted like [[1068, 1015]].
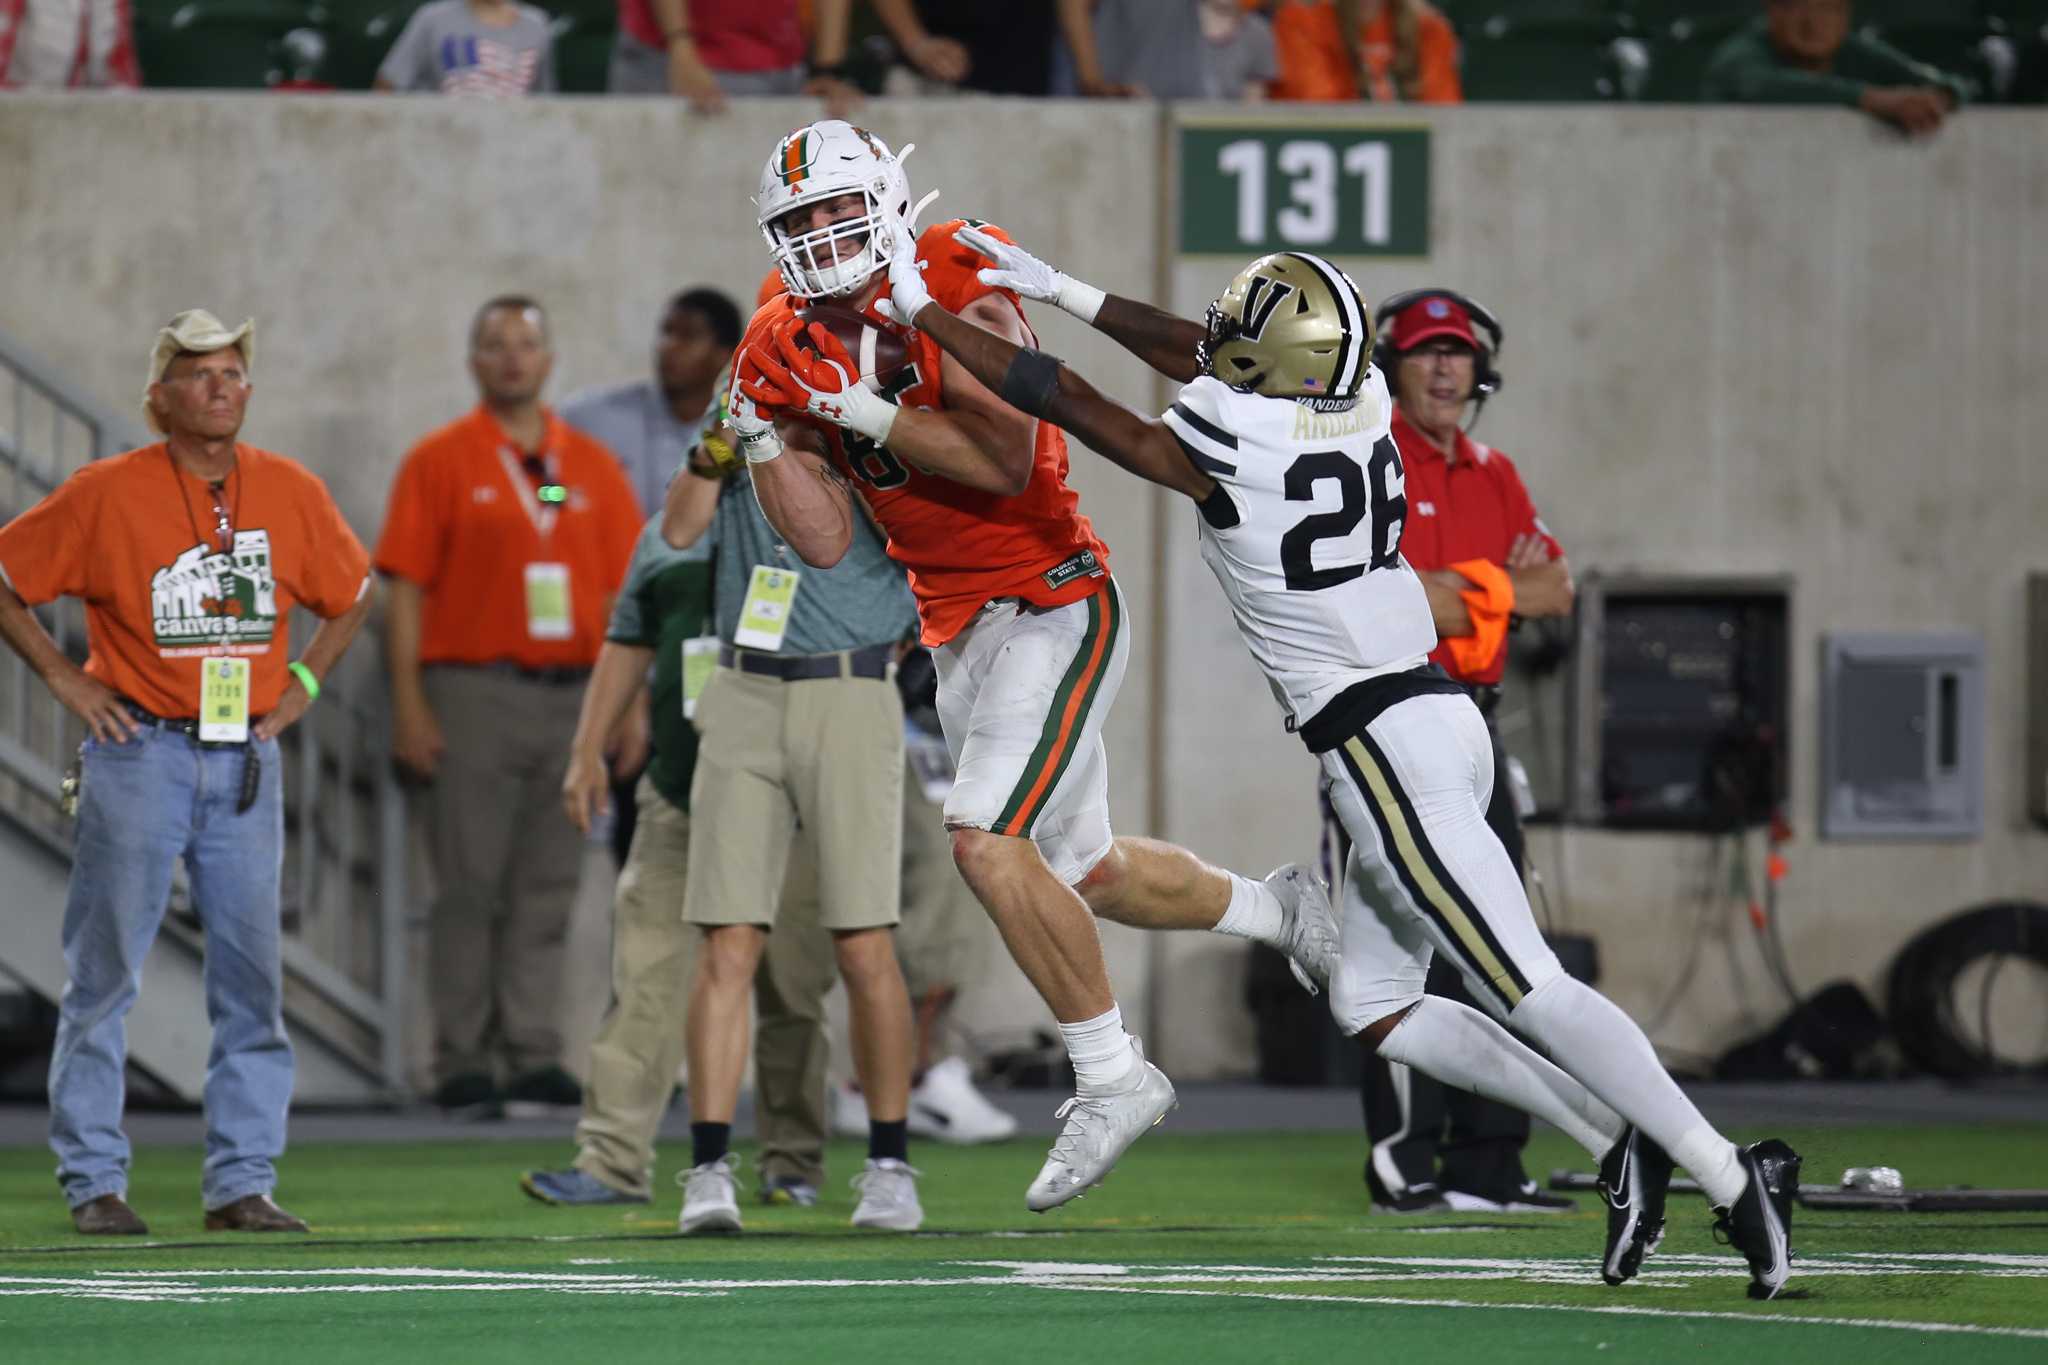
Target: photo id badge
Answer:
[[700, 657], [224, 700], [547, 602], [764, 616]]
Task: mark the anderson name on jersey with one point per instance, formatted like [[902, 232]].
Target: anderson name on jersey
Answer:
[[1304, 535]]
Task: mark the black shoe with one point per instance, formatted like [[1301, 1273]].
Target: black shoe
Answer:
[[1423, 1198], [1635, 1175], [1759, 1225], [470, 1095], [1526, 1197], [544, 1089]]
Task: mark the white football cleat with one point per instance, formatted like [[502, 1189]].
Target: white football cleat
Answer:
[[711, 1198], [888, 1196], [1099, 1128], [946, 1106], [1308, 929]]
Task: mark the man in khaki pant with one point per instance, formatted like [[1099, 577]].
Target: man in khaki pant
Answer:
[[659, 612]]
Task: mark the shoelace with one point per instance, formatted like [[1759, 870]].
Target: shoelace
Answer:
[[726, 1164], [1091, 1104]]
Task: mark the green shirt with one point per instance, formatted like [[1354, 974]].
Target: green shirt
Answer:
[[1748, 70], [864, 599], [664, 602]]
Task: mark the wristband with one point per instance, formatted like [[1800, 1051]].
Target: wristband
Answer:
[[869, 413], [762, 448], [306, 679], [1078, 297]]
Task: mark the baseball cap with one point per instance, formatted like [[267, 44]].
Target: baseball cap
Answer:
[[1429, 318], [195, 329]]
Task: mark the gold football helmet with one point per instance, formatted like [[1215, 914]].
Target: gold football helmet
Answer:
[[1291, 325]]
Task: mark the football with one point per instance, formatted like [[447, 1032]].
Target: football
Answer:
[[879, 351]]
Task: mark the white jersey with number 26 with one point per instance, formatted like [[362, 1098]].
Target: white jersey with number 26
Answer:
[[1304, 534]]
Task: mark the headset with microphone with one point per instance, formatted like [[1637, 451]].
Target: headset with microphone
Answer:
[[1486, 376]]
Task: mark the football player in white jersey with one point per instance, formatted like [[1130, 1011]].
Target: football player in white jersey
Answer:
[[1280, 437]]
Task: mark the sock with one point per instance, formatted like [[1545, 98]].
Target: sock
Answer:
[[1462, 1047], [1591, 1038], [708, 1142], [891, 1139], [1253, 912], [1099, 1049]]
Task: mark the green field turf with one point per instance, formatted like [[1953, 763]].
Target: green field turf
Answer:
[[1200, 1247]]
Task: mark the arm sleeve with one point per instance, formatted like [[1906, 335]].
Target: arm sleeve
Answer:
[[337, 568], [629, 623], [1883, 64], [1745, 72], [1522, 515], [415, 526], [43, 551], [406, 65]]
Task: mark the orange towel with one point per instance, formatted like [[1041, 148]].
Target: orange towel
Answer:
[[1489, 600]]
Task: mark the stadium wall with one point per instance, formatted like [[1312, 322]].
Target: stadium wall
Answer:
[[1740, 341]]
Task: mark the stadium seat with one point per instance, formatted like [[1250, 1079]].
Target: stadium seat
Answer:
[[219, 44], [583, 58], [1679, 52], [360, 32], [1560, 60], [1980, 51]]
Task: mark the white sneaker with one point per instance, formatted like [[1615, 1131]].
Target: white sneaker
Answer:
[[1099, 1128], [946, 1106], [711, 1198], [888, 1196], [1308, 930], [849, 1112]]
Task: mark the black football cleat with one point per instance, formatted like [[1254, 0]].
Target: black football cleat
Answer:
[[1635, 1175], [1759, 1224]]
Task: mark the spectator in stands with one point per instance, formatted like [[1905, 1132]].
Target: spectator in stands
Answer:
[[650, 425], [996, 49], [657, 622], [80, 44], [1398, 51], [1802, 52], [710, 50], [1168, 49], [189, 555], [495, 48], [507, 532]]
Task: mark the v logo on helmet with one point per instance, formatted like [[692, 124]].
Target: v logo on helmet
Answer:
[[1261, 299], [799, 152]]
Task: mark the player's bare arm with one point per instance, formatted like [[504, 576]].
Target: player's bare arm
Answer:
[[802, 495], [1036, 382], [978, 440], [1159, 338]]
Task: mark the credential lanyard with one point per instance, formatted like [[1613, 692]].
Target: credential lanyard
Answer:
[[542, 514]]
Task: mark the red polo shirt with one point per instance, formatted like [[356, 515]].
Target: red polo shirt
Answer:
[[1470, 507]]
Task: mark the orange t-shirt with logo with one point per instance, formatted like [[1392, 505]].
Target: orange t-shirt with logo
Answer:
[[1309, 42], [466, 524], [160, 591], [963, 548]]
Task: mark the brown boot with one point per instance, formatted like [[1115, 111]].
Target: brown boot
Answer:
[[253, 1213], [108, 1216]]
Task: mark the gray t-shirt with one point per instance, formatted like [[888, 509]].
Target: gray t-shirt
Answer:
[[636, 424], [1159, 45], [864, 599], [446, 48]]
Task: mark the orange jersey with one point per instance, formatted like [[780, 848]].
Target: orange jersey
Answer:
[[963, 548], [163, 591]]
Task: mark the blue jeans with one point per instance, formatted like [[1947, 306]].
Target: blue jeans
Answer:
[[146, 803]]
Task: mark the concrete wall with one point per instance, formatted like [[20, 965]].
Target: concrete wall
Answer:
[[1739, 341]]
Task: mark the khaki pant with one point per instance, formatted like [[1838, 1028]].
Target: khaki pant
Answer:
[[506, 862], [639, 1048]]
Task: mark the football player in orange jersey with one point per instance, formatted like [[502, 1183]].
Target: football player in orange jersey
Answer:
[[1017, 606]]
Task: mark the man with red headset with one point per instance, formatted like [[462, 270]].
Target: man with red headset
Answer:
[[1485, 558]]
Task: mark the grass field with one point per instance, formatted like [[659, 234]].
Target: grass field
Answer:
[[1200, 1247]]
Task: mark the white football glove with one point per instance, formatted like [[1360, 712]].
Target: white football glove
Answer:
[[755, 430], [907, 294], [1018, 270]]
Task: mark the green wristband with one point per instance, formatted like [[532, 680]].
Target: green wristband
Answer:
[[306, 679]]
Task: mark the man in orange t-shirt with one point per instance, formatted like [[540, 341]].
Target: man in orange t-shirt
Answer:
[[1398, 51], [507, 533], [189, 555]]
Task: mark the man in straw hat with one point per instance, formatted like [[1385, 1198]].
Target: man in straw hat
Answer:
[[189, 554]]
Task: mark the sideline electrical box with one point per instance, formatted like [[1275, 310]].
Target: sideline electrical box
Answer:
[[1902, 736], [1679, 702]]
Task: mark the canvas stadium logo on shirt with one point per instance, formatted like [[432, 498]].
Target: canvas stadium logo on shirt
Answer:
[[204, 597]]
